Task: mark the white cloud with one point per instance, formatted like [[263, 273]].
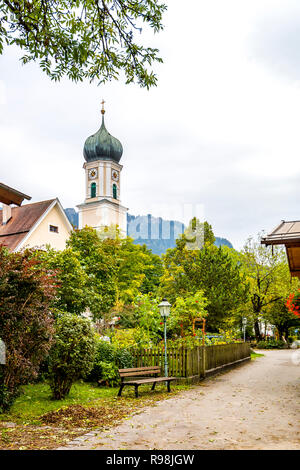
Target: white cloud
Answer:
[[2, 93], [221, 128]]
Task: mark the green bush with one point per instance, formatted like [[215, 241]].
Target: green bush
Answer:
[[6, 396], [109, 373], [72, 355], [123, 359], [27, 291], [272, 344], [108, 360]]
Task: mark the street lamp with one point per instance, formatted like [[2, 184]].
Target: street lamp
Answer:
[[244, 321], [164, 308]]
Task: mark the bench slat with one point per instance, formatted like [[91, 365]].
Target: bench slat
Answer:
[[145, 381], [134, 374], [139, 369]]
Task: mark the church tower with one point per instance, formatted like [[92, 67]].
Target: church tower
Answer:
[[102, 206]]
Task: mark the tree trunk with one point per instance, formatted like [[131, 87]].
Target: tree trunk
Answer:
[[256, 330], [280, 332]]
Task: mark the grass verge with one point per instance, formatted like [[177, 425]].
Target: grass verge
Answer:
[[255, 355], [35, 421]]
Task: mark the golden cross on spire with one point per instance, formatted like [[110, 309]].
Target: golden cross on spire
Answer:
[[102, 110]]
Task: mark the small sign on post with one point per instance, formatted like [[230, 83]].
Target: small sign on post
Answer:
[[2, 353]]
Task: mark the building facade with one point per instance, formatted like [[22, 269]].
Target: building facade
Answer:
[[35, 226]]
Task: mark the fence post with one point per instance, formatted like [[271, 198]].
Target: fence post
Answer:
[[203, 361]]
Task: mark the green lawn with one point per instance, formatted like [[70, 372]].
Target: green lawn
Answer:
[[255, 355], [35, 400]]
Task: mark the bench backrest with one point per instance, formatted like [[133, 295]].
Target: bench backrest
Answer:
[[137, 371]]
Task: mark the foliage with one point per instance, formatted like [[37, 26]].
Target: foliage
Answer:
[[108, 359], [123, 358], [131, 338], [100, 267], [72, 354], [137, 269], [108, 373], [74, 294], [293, 303], [117, 269], [269, 280], [279, 315], [144, 312], [210, 269], [191, 341], [271, 344], [198, 234], [185, 310], [26, 324], [84, 39]]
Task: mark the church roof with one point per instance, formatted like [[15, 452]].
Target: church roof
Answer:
[[22, 221], [102, 146]]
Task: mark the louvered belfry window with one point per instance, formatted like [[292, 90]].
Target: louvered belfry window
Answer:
[[93, 189], [115, 191]]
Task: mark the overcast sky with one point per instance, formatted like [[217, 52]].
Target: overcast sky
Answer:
[[221, 130]]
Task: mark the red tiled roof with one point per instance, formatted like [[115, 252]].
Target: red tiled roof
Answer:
[[22, 220]]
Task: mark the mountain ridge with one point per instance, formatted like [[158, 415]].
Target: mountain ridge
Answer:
[[156, 233]]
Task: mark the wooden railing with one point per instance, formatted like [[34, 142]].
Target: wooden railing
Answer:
[[192, 362]]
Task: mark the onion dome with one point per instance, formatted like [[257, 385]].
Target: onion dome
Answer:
[[102, 145]]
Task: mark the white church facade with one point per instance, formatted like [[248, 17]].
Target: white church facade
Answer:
[[102, 205]]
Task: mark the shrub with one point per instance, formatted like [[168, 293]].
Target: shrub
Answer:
[[109, 373], [6, 397], [123, 359], [72, 355], [108, 360], [132, 338], [271, 344], [26, 323]]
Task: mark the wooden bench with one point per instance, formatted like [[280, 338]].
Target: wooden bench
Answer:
[[140, 372]]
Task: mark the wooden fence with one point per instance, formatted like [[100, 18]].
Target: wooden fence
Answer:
[[195, 362]]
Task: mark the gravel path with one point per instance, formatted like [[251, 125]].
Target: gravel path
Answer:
[[255, 406]]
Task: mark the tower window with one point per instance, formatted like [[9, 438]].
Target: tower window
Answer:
[[115, 191], [93, 189], [53, 228]]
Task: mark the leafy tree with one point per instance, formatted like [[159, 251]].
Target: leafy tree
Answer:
[[279, 316], [143, 313], [100, 267], [210, 269], [118, 270], [185, 310], [138, 270], [268, 276], [198, 234], [94, 39], [27, 291], [74, 293], [72, 355]]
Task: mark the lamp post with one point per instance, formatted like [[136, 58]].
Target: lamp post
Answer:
[[244, 321], [164, 308]]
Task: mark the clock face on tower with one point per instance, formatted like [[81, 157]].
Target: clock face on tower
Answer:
[[115, 175], [93, 173]]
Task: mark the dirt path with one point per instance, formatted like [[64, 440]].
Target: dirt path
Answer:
[[255, 406]]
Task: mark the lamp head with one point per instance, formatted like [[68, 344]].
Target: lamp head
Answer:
[[164, 308]]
